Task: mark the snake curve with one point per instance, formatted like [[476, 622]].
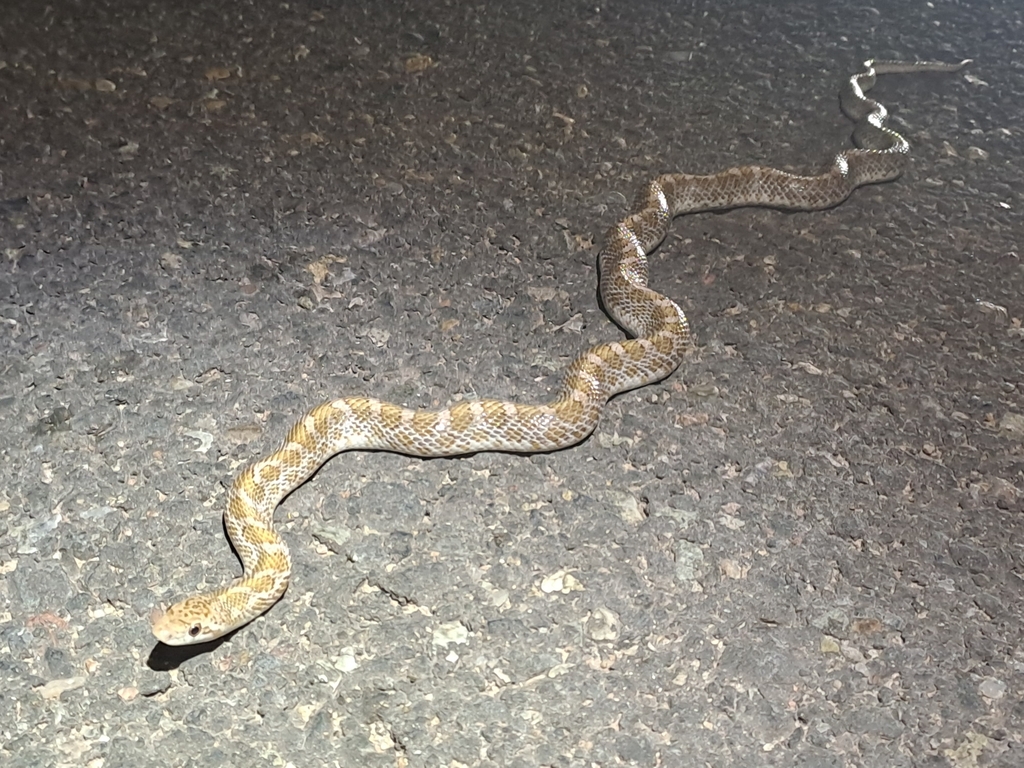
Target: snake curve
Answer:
[[660, 339]]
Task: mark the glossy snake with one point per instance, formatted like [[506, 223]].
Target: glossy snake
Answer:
[[660, 340]]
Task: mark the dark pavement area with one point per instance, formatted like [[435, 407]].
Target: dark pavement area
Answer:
[[804, 548]]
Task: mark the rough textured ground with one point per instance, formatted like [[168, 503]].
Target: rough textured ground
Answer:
[[803, 549]]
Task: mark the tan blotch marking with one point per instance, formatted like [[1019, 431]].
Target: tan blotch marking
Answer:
[[390, 416], [267, 471], [257, 534], [461, 417]]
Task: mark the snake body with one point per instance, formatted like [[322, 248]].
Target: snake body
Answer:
[[660, 339]]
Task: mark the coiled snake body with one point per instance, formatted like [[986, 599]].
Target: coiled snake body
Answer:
[[661, 337]]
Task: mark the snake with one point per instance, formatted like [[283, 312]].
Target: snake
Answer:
[[659, 339]]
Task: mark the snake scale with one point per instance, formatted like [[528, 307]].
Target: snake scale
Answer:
[[660, 339]]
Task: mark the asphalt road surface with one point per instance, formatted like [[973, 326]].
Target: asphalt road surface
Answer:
[[804, 548]]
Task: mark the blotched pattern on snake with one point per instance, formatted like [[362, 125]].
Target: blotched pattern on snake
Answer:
[[661, 338]]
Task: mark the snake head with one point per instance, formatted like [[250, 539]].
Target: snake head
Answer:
[[185, 623]]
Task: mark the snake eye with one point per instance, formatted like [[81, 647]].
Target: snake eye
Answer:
[[193, 631]]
